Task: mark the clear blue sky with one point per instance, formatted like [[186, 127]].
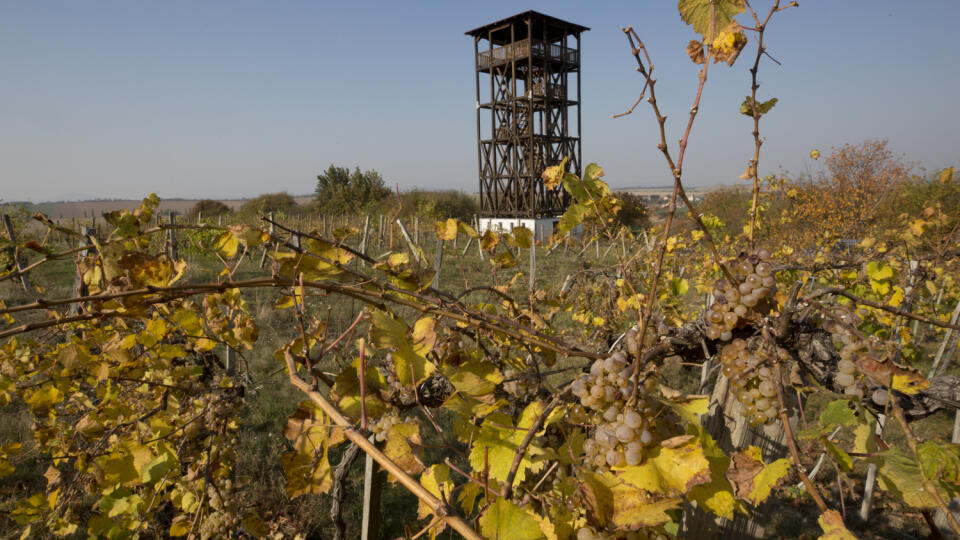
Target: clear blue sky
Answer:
[[235, 98]]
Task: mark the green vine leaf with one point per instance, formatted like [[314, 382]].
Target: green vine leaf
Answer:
[[762, 107], [697, 14], [899, 475]]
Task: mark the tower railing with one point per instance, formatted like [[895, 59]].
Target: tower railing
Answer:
[[518, 49]]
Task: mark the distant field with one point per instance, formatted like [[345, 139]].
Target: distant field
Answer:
[[86, 209], [664, 191]]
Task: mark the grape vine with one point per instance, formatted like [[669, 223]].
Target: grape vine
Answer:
[[573, 413]]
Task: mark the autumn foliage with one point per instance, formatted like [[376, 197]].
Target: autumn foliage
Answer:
[[613, 403], [851, 194]]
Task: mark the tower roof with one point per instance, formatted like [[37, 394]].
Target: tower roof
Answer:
[[554, 27]]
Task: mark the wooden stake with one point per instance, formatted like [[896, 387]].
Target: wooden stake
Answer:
[[942, 352], [410, 244], [172, 236], [437, 264], [871, 475], [366, 231], [533, 266], [372, 487], [476, 224]]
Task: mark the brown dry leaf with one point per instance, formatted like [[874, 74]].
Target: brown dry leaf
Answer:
[[887, 373], [597, 499], [752, 479], [744, 467], [728, 44], [695, 51]]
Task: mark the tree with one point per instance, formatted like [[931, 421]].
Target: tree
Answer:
[[439, 204], [341, 192], [731, 205], [270, 202], [850, 195], [633, 213], [210, 208]]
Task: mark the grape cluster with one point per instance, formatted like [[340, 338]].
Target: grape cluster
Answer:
[[621, 432], [382, 426], [736, 303], [218, 525], [752, 378], [406, 395], [853, 350], [518, 385], [224, 516], [632, 340]]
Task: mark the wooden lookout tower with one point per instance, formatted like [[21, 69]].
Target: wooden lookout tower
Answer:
[[528, 114]]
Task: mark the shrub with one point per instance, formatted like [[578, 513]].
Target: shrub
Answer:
[[731, 205], [209, 208], [270, 202], [939, 189], [439, 204], [633, 213], [341, 192]]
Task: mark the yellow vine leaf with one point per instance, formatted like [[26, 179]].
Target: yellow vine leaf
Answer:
[[44, 398], [390, 334], [227, 245], [947, 175], [248, 236], [466, 229], [632, 508], [437, 481], [489, 240], [716, 495], [447, 230], [833, 528], [403, 446], [498, 440], [552, 176], [728, 44], [672, 468], [476, 378], [181, 525], [897, 297], [909, 382], [768, 478], [751, 478], [307, 467], [688, 406], [523, 236], [504, 520]]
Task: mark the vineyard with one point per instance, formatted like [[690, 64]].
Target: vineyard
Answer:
[[777, 363]]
